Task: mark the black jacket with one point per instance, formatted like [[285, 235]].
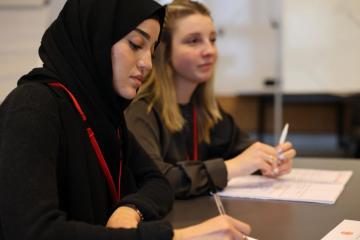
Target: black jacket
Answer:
[[170, 150], [51, 185]]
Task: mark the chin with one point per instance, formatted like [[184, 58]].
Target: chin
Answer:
[[203, 79], [129, 95]]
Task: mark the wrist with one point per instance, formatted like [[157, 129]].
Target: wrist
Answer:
[[136, 210], [177, 235], [181, 234], [191, 232], [229, 169]]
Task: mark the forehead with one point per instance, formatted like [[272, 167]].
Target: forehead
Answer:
[[195, 23], [149, 28]]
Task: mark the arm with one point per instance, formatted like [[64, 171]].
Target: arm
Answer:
[[220, 227], [188, 178], [154, 197], [244, 157], [29, 203]]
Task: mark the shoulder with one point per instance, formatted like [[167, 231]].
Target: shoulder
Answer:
[[138, 116], [140, 109], [31, 95], [30, 106], [139, 104]]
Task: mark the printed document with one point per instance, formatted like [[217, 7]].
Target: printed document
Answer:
[[346, 230], [305, 185]]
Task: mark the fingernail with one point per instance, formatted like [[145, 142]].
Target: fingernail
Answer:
[[275, 171]]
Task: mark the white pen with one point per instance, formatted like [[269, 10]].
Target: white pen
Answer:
[[219, 204], [284, 134], [221, 210], [282, 141]]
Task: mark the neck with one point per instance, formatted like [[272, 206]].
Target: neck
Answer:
[[184, 90]]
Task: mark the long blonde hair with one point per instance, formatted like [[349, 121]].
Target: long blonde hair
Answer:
[[159, 86]]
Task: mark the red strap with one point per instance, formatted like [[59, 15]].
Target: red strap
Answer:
[[73, 99], [195, 135], [115, 194], [120, 167], [103, 165]]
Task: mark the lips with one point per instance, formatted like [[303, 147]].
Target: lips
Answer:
[[206, 65], [138, 77]]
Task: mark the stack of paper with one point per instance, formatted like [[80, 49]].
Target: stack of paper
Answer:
[[305, 185]]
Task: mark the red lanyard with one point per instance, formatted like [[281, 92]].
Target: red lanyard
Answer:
[[115, 193], [195, 135]]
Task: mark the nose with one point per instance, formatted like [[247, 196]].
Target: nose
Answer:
[[145, 63], [209, 50]]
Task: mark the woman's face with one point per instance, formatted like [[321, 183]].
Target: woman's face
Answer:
[[131, 57], [194, 52]]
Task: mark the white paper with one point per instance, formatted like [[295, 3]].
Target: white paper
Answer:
[[346, 230], [305, 185]]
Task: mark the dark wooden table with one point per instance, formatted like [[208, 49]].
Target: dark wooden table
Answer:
[[282, 220]]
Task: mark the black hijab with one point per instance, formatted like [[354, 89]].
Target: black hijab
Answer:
[[76, 51]]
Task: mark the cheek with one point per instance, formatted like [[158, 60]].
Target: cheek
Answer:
[[184, 61], [120, 67]]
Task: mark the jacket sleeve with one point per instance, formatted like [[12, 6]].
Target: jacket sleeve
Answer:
[[227, 141], [154, 197], [188, 178], [29, 202]]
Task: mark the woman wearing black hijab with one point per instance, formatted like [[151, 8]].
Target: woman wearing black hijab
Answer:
[[68, 167], [52, 183]]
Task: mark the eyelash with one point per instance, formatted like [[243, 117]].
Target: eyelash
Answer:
[[196, 40], [193, 40], [134, 46]]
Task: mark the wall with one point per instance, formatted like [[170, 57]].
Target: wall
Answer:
[[22, 25]]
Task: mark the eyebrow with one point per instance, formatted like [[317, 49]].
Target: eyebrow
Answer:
[[199, 33], [143, 33]]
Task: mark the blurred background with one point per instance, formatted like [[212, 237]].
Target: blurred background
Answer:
[[279, 61]]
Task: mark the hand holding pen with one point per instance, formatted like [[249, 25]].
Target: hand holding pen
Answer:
[[271, 161], [282, 163], [222, 212], [219, 227], [279, 153]]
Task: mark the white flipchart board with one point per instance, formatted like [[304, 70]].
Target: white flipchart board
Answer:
[[321, 46], [246, 45]]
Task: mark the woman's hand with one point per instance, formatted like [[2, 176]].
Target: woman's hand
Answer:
[[123, 217], [220, 227], [258, 156], [272, 162], [285, 155]]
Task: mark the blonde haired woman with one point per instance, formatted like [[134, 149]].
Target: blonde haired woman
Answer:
[[178, 121]]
